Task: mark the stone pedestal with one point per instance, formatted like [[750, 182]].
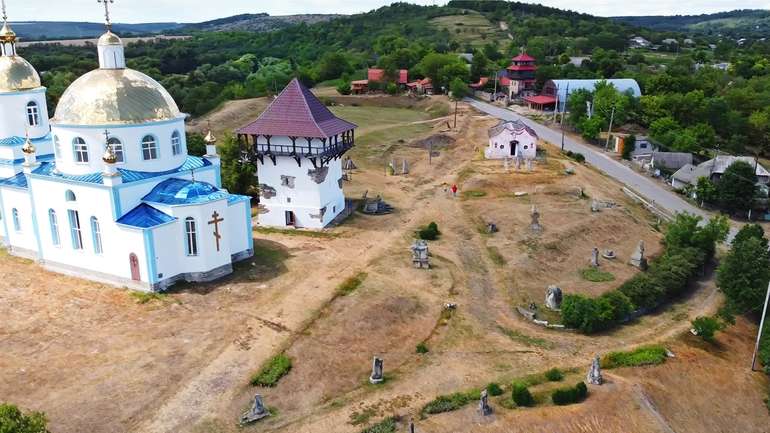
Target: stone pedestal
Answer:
[[377, 372], [257, 411], [594, 376]]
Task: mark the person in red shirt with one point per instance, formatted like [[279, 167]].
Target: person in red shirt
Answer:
[[454, 190]]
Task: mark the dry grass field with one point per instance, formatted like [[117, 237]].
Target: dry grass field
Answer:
[[100, 359]]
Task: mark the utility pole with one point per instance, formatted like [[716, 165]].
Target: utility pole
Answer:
[[609, 130], [455, 127], [563, 112], [759, 334]]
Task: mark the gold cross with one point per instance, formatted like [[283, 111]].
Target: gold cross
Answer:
[[106, 12], [215, 221], [5, 15]]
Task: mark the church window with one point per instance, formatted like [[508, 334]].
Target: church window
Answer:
[[56, 146], [54, 227], [176, 143], [80, 150], [33, 114], [149, 148], [96, 233], [191, 235], [75, 232], [117, 148], [16, 221], [70, 196]]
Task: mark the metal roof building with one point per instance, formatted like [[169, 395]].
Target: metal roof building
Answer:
[[559, 88]]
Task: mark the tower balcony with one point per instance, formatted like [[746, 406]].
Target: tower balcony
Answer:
[[319, 151]]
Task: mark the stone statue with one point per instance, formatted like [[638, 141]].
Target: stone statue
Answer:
[[376, 376], [594, 376], [484, 407], [595, 257], [256, 413], [637, 258], [420, 256], [594, 206], [535, 225], [507, 164], [517, 162], [553, 298], [529, 165]]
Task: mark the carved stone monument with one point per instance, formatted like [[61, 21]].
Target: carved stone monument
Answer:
[[637, 258], [594, 376], [553, 297], [535, 225], [376, 376], [256, 413], [595, 257], [484, 407], [420, 256]]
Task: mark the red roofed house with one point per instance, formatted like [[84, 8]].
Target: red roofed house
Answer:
[[421, 87], [297, 146], [376, 76], [521, 74], [540, 102], [403, 77], [480, 85]]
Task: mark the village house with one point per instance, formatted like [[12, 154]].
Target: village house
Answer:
[[373, 75], [420, 87], [558, 91], [713, 170], [670, 161], [638, 42], [521, 76], [511, 139]]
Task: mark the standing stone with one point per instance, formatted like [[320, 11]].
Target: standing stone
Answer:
[[529, 165], [376, 376], [595, 257], [405, 167], [411, 426], [594, 376], [484, 406], [535, 225], [553, 297], [637, 258], [594, 206], [256, 412], [507, 164], [420, 255], [517, 163]]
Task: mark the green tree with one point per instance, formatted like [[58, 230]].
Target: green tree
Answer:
[[737, 186], [442, 69], [628, 146], [333, 65], [459, 89], [237, 177], [479, 66], [750, 231], [195, 144], [743, 274], [12, 420], [705, 190], [706, 327]]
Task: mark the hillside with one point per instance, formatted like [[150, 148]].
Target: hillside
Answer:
[[257, 22], [738, 23]]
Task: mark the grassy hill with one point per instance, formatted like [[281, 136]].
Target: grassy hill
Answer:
[[737, 23]]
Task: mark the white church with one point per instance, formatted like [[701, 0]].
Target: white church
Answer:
[[297, 144], [511, 139], [105, 190]]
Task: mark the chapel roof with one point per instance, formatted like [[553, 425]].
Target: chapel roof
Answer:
[[512, 125], [176, 191], [145, 216]]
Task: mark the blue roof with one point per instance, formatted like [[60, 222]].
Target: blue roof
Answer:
[[18, 181], [145, 216], [182, 191], [15, 140], [621, 84], [191, 163], [235, 198]]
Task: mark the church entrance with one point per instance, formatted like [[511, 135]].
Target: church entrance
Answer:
[[134, 261], [291, 220], [512, 146]]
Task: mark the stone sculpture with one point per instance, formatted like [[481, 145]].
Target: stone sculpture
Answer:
[[595, 257], [595, 206], [594, 376], [609, 255], [256, 413], [405, 168], [637, 258], [420, 256], [484, 406], [535, 225], [553, 297], [376, 376]]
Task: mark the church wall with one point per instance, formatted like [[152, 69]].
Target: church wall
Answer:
[[130, 136], [24, 239], [303, 190], [499, 146], [238, 224], [13, 112]]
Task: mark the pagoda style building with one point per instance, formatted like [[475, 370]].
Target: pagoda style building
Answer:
[[297, 146], [521, 74]]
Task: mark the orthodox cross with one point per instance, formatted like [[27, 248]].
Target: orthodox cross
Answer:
[[5, 15], [106, 12], [215, 222], [106, 136]]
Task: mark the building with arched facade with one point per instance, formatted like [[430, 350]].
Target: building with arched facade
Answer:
[[106, 190]]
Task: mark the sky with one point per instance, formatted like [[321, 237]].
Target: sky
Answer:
[[134, 11]]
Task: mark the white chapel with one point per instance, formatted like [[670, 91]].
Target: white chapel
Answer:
[[105, 190]]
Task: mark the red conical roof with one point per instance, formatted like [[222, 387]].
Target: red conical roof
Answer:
[[523, 57], [296, 112]]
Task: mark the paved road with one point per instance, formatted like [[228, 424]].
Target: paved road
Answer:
[[645, 186]]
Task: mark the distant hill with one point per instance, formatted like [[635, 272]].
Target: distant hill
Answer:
[[737, 23], [46, 30]]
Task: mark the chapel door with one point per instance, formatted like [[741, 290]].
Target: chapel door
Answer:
[[512, 146], [290, 218], [134, 262]]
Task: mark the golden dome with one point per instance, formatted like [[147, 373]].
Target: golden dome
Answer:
[[115, 97], [6, 34], [109, 155], [209, 138], [17, 74], [109, 38], [28, 147]]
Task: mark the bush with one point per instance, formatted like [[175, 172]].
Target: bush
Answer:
[[448, 403], [272, 371], [521, 395], [494, 389], [12, 420], [429, 233], [646, 355], [706, 327], [554, 375], [565, 396], [344, 88], [422, 348], [391, 89], [388, 425], [579, 157]]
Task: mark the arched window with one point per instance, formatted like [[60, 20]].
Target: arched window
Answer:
[[176, 143], [56, 146], [33, 114], [16, 221], [54, 227], [80, 150], [75, 232], [70, 196], [117, 147], [191, 237], [96, 233], [149, 148]]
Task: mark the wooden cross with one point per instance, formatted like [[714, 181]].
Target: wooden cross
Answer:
[[106, 12], [215, 221]]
